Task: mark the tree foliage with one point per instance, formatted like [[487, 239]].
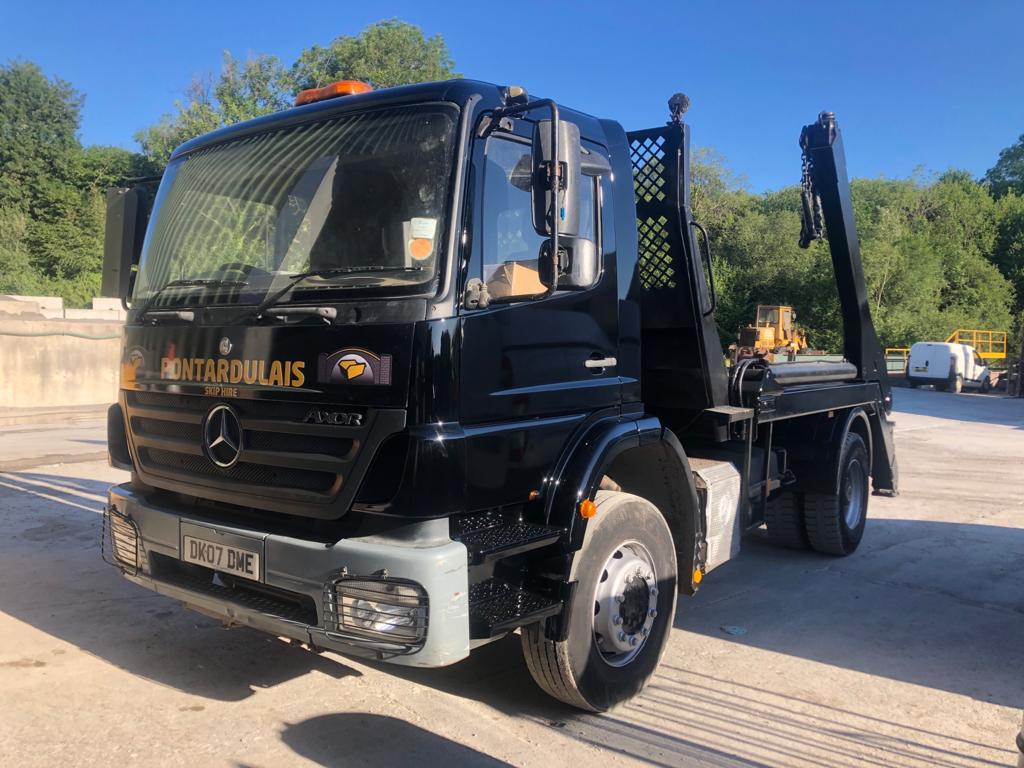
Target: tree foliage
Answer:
[[51, 189], [384, 54], [1007, 175], [938, 255]]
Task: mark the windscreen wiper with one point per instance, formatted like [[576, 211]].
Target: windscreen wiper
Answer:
[[147, 308], [294, 280]]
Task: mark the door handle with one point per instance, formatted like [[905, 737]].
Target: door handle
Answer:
[[600, 362]]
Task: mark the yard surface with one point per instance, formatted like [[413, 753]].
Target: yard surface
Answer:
[[910, 652]]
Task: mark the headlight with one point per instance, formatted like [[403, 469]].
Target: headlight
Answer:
[[393, 611]]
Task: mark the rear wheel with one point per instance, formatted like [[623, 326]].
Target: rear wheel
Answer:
[[835, 521], [621, 612], [784, 519]]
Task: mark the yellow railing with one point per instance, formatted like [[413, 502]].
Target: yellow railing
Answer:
[[896, 359], [991, 345]]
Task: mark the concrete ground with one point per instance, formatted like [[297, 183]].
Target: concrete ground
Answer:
[[910, 652]]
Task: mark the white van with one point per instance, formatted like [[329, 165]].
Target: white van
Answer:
[[947, 366]]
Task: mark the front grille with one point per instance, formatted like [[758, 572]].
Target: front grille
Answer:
[[243, 472], [285, 464]]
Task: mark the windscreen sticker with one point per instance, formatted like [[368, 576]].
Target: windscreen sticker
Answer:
[[421, 228], [420, 243], [354, 366]]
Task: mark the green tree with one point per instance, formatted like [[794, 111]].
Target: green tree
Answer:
[[38, 145], [51, 190], [242, 91], [384, 54], [1008, 172]]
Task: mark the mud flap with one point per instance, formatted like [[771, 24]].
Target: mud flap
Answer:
[[885, 475]]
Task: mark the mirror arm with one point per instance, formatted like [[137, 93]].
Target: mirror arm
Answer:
[[554, 171]]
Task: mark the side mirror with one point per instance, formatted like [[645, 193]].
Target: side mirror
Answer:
[[577, 264], [563, 202], [122, 245], [583, 267]]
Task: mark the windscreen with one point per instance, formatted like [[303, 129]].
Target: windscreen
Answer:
[[362, 194]]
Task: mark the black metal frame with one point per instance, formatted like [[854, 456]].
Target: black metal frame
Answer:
[[828, 192]]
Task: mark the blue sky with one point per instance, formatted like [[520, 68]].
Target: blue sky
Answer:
[[915, 84]]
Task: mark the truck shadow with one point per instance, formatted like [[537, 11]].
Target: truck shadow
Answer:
[[359, 738], [53, 578]]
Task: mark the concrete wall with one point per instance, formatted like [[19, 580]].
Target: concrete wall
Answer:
[[57, 362], [52, 308]]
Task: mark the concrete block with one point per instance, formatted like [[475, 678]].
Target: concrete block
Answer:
[[107, 305], [45, 303], [11, 305]]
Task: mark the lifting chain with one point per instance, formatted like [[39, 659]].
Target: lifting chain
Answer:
[[811, 226]]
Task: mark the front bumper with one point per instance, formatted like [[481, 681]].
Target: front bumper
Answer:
[[421, 553]]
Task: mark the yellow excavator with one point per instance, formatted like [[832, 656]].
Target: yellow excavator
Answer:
[[773, 336]]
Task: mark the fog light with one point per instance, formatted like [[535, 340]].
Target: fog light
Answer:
[[120, 544], [388, 610]]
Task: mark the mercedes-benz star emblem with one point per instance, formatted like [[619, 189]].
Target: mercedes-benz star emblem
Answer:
[[225, 345], [222, 436]]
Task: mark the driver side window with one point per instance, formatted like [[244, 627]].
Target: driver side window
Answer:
[[510, 245]]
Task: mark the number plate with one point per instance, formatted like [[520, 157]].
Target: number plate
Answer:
[[221, 557]]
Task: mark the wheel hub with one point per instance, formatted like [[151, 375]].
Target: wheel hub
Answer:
[[853, 494], [625, 603]]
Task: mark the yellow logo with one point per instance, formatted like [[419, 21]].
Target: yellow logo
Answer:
[[354, 365], [353, 368]]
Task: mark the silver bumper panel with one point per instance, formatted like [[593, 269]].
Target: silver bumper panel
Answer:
[[423, 554]]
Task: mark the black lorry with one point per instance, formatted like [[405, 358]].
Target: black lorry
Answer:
[[407, 370]]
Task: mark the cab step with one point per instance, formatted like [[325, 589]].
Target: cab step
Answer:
[[495, 606], [495, 542]]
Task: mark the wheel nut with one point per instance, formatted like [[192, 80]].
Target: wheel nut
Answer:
[[646, 631], [616, 620], [653, 614], [654, 591], [622, 637], [620, 598], [634, 640]]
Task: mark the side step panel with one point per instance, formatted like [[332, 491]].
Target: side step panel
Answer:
[[496, 606], [507, 539]]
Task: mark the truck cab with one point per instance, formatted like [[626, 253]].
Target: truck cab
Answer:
[[407, 370]]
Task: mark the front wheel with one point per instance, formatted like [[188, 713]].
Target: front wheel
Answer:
[[621, 611], [958, 384], [986, 384]]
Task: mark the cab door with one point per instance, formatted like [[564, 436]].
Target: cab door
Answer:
[[531, 368]]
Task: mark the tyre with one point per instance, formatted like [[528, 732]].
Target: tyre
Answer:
[[621, 611], [784, 519], [835, 521], [986, 384], [958, 384]]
